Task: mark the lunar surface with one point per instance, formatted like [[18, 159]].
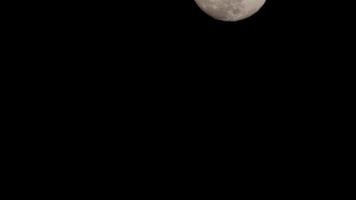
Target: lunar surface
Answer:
[[230, 10]]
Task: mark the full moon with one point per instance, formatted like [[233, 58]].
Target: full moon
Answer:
[[230, 10]]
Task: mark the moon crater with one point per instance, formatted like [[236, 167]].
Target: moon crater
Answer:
[[230, 10]]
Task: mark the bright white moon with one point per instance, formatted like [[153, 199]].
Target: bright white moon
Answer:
[[230, 10]]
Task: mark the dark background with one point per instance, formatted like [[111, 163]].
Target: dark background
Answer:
[[153, 47], [159, 43], [299, 32], [171, 28], [165, 67]]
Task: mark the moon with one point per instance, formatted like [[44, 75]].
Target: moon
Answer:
[[230, 10]]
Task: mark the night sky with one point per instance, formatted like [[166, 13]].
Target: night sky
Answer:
[[179, 29]]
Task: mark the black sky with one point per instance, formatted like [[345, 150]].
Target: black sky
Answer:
[[178, 27], [278, 18]]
